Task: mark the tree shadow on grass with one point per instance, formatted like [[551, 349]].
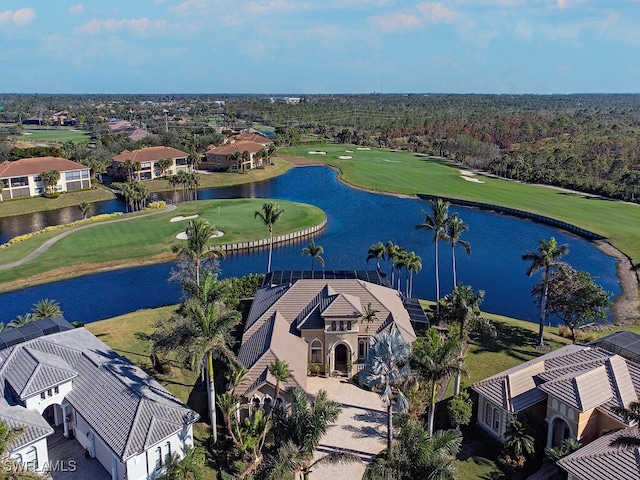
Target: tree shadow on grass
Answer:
[[507, 338]]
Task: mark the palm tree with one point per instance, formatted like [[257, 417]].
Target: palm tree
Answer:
[[199, 233], [215, 327], [391, 251], [462, 308], [189, 467], [164, 164], [387, 368], [545, 258], [270, 215], [46, 308], [303, 430], [455, 228], [401, 262], [84, 209], [413, 265], [377, 251], [369, 315], [127, 165], [315, 252], [137, 166], [632, 415], [437, 222], [434, 359], [281, 372], [519, 441], [21, 320]]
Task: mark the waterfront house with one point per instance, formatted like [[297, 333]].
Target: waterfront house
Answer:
[[229, 156], [315, 325], [58, 377], [148, 159], [21, 178]]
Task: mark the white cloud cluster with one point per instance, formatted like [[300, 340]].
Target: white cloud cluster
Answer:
[[76, 8], [424, 13], [19, 17], [139, 26]]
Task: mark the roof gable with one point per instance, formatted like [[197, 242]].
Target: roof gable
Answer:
[[343, 305]]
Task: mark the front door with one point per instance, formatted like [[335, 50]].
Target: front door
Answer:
[[342, 353]]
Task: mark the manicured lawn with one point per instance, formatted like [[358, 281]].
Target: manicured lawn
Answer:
[[405, 173], [54, 134], [152, 236], [22, 206]]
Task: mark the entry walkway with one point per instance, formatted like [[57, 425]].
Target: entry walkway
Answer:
[[67, 460], [360, 429]]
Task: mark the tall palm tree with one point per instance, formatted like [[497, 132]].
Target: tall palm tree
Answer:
[[413, 265], [462, 308], [434, 359], [437, 222], [215, 326], [46, 308], [391, 251], [281, 372], [401, 262], [199, 233], [376, 251], [455, 228], [270, 215], [387, 368], [545, 258], [315, 252], [369, 315], [84, 208]]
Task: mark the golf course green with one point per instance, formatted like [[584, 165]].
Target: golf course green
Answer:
[[408, 174], [147, 238]]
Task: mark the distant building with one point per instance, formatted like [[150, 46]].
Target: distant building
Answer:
[[22, 177], [148, 158], [229, 156]]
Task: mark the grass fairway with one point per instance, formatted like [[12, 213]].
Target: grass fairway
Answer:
[[126, 242], [405, 173], [54, 134]]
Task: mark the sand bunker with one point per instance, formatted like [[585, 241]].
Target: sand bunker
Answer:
[[345, 157], [183, 235], [467, 173], [312, 152], [471, 179], [180, 218], [390, 161], [364, 148], [349, 151]]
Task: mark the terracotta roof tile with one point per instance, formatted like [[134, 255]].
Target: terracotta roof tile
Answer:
[[34, 166], [149, 154]]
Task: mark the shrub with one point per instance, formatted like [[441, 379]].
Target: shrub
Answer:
[[160, 205], [460, 409]]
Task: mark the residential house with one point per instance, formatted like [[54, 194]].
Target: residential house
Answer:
[[229, 156], [148, 158], [22, 177], [254, 136], [89, 394], [573, 389], [314, 324]]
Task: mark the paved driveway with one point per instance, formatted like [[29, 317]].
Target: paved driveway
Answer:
[[70, 463], [360, 429]]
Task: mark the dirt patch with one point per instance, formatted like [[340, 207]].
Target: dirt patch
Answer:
[[625, 307]]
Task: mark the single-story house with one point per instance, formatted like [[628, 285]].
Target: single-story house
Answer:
[[573, 389], [148, 158], [21, 178], [228, 156], [70, 381], [314, 324]]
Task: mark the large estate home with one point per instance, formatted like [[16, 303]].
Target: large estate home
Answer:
[[62, 382], [148, 159], [574, 390], [314, 324], [235, 156], [22, 178]]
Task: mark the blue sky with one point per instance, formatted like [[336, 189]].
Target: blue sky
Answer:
[[320, 46]]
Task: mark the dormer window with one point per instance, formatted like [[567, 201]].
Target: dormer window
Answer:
[[333, 326], [349, 325], [341, 325]]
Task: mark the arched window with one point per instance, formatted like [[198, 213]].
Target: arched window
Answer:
[[316, 351], [31, 459], [167, 451], [18, 458], [158, 458], [362, 349], [267, 403], [255, 404], [341, 325], [349, 325], [333, 325]]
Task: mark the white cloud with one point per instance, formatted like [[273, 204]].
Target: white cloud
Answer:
[[139, 26], [19, 17], [76, 8], [437, 13], [396, 22]]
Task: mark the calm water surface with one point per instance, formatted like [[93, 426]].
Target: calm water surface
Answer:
[[356, 219]]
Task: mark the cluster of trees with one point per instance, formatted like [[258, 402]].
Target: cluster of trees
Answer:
[[50, 179], [188, 182], [135, 194], [42, 309], [399, 259]]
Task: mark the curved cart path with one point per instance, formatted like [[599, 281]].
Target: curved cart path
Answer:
[[46, 245]]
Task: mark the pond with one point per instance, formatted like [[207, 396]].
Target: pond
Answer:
[[355, 220]]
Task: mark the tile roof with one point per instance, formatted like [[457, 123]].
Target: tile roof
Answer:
[[343, 305], [34, 425], [149, 154], [233, 147], [128, 409], [600, 460], [253, 137], [37, 165]]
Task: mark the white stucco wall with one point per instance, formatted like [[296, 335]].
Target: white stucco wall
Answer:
[[41, 448], [36, 402]]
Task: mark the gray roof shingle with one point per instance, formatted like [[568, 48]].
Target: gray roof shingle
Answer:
[[34, 425]]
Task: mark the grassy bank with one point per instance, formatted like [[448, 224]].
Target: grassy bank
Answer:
[[148, 238], [405, 173], [23, 206]]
